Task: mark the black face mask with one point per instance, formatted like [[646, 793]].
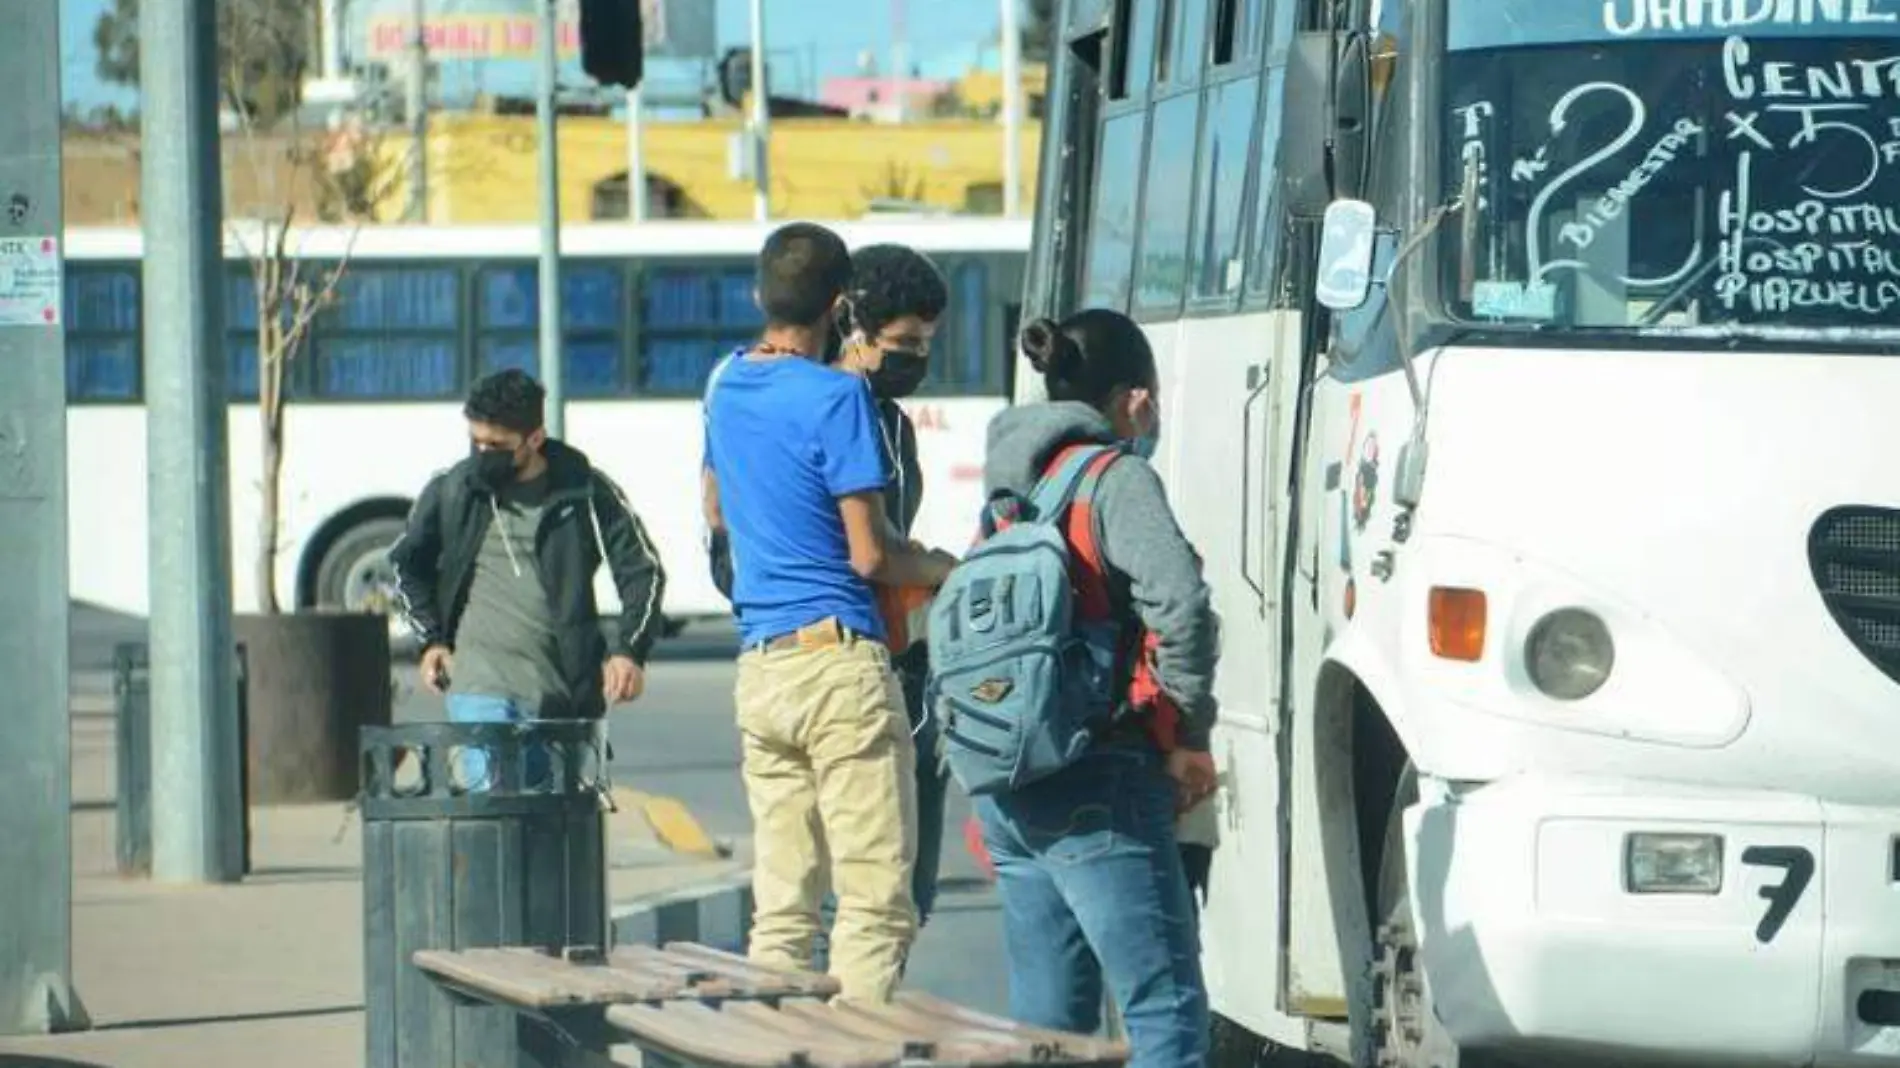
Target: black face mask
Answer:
[[495, 468], [899, 375]]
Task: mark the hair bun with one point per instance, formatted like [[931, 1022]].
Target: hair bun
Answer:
[[1046, 346]]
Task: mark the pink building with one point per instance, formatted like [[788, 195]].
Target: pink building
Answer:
[[876, 98]]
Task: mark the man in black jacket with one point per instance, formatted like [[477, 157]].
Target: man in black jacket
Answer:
[[496, 573]]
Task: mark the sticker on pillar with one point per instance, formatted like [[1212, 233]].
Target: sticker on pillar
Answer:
[[29, 281], [1365, 484]]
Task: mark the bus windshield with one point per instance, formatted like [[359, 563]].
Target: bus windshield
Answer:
[[1676, 167]]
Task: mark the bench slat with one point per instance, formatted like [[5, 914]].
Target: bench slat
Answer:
[[767, 982], [695, 1032], [528, 979], [929, 1007], [947, 1042]]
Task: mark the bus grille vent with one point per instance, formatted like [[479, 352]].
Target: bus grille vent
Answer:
[[1855, 553]]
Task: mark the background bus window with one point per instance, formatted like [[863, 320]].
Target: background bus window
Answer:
[[690, 319], [1216, 260], [1269, 228], [1111, 247], [393, 333], [102, 334], [509, 314], [1161, 272], [960, 361], [240, 342]]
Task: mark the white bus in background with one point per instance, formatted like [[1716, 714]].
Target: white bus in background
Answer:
[[1552, 508], [375, 403]]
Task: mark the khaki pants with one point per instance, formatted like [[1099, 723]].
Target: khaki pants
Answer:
[[830, 775]]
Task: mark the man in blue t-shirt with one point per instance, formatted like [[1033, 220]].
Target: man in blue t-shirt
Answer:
[[794, 476]]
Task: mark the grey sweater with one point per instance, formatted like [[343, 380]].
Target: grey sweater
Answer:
[[1141, 542]]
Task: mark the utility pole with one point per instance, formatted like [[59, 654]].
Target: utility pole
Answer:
[[36, 994], [552, 373], [418, 108], [761, 119], [636, 156], [900, 62], [1012, 50], [197, 804]]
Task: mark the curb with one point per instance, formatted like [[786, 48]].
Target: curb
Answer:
[[716, 914]]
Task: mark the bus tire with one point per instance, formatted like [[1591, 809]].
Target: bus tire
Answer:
[[1406, 1031], [355, 576], [1230, 1045]]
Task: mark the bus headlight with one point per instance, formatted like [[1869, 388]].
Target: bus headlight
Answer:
[[1569, 654]]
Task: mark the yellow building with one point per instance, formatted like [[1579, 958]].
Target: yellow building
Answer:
[[483, 168]]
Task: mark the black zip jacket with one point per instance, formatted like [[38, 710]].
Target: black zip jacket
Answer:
[[587, 522]]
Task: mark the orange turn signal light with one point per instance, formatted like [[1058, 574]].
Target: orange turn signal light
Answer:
[[1457, 623]]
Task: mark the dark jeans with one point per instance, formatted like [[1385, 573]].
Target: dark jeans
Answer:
[[933, 783], [1091, 880]]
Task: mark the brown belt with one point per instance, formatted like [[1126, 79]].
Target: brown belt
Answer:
[[824, 634]]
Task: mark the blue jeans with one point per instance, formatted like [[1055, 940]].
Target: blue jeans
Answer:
[[1092, 886], [472, 765]]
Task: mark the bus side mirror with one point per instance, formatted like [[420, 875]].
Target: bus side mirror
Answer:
[[1344, 277]]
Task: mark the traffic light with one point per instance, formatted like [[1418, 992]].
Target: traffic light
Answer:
[[613, 41]]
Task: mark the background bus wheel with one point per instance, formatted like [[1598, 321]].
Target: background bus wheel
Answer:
[[1406, 1032], [355, 576]]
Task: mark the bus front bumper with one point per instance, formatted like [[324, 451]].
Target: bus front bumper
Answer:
[[1550, 921]]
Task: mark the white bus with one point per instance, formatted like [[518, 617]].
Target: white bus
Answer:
[[1552, 509], [375, 402]]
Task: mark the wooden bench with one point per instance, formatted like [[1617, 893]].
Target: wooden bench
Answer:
[[688, 1004]]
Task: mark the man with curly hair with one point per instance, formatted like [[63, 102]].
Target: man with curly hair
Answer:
[[496, 575], [894, 303]]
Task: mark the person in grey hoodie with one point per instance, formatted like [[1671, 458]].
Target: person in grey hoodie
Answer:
[[1088, 865]]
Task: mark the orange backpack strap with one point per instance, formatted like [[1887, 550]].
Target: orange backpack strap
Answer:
[[1091, 578]]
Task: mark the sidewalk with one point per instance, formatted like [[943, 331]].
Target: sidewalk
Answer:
[[268, 971]]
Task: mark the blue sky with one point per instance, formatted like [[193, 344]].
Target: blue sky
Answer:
[[829, 34]]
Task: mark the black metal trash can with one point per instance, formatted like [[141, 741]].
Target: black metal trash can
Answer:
[[454, 864]]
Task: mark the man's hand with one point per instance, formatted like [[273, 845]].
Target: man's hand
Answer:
[[939, 565], [437, 662], [622, 680], [1194, 777]]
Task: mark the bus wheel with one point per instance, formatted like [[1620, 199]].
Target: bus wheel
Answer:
[[355, 576], [1406, 1031], [1233, 1046]]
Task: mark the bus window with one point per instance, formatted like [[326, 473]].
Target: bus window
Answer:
[[392, 333], [1161, 270], [389, 367], [691, 317], [1239, 31], [1137, 24], [1087, 15], [1269, 227], [102, 334], [1111, 245], [1215, 256], [508, 312], [1186, 43], [967, 368]]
